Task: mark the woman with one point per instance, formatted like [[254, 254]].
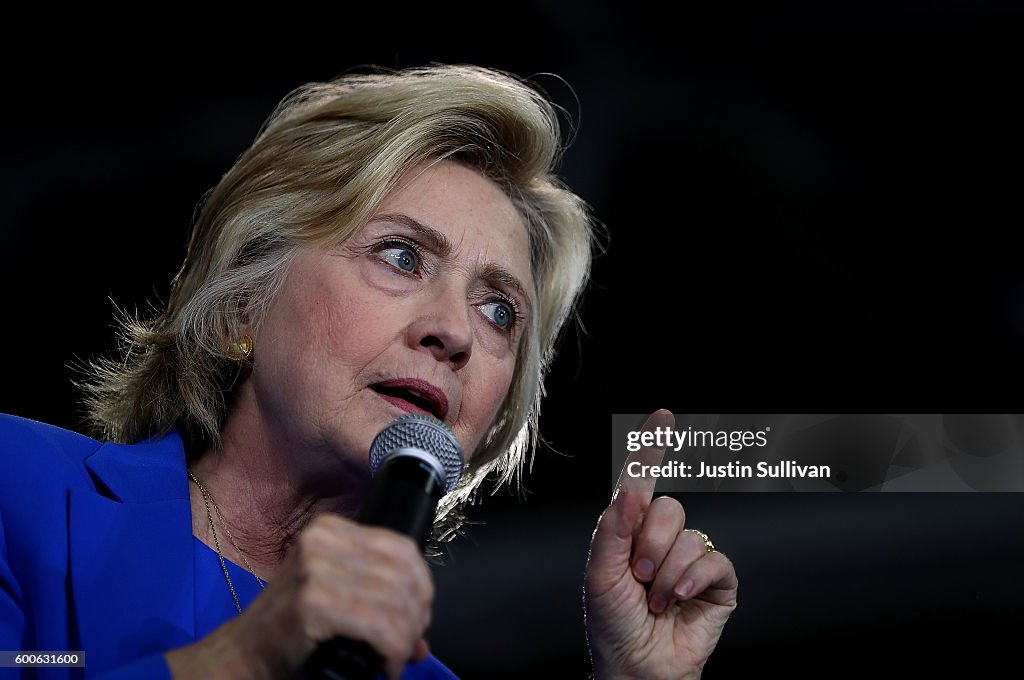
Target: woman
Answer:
[[390, 243]]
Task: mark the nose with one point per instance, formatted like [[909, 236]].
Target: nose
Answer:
[[444, 330]]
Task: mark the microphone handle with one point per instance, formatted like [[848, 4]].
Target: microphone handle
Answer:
[[403, 498]]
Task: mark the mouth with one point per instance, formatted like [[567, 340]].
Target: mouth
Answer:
[[413, 396]]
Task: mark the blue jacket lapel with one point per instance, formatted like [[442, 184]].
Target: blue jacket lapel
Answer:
[[131, 552]]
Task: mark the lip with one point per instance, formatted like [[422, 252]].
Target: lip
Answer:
[[433, 396]]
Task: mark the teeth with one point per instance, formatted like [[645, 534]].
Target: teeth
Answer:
[[419, 395], [409, 394]]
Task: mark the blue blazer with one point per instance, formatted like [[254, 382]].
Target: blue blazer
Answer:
[[97, 553]]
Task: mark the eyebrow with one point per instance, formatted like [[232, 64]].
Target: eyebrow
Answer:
[[439, 242], [432, 238]]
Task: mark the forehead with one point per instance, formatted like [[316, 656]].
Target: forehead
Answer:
[[471, 210]]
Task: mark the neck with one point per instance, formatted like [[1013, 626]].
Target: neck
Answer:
[[266, 492]]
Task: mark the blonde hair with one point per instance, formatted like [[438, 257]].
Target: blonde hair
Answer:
[[325, 159]]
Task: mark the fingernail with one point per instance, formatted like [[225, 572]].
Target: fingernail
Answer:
[[658, 603], [684, 588], [644, 569]]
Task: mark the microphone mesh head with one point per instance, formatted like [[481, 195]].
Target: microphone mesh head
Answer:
[[425, 433]]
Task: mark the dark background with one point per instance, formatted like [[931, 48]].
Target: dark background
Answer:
[[810, 208]]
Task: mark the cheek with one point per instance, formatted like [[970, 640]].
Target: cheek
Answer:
[[353, 330], [320, 339], [344, 321], [482, 398]]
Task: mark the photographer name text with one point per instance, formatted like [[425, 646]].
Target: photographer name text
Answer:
[[787, 469]]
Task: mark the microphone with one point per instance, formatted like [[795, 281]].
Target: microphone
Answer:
[[414, 461]]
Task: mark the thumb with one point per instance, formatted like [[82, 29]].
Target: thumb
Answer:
[[394, 669], [612, 542], [421, 652]]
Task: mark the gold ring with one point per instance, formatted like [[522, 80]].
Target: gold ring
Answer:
[[708, 545]]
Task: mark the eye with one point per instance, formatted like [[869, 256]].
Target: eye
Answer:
[[500, 313], [399, 255]]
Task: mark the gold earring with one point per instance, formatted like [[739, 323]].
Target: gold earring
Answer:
[[241, 349]]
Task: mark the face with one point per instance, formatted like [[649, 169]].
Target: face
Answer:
[[422, 310]]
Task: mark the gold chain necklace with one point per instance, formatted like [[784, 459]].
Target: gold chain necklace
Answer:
[[208, 501]]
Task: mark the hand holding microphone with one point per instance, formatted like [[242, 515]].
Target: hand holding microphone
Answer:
[[415, 460], [362, 589]]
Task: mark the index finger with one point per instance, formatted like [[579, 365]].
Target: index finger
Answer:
[[642, 485]]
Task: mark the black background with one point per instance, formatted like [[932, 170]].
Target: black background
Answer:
[[810, 208]]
